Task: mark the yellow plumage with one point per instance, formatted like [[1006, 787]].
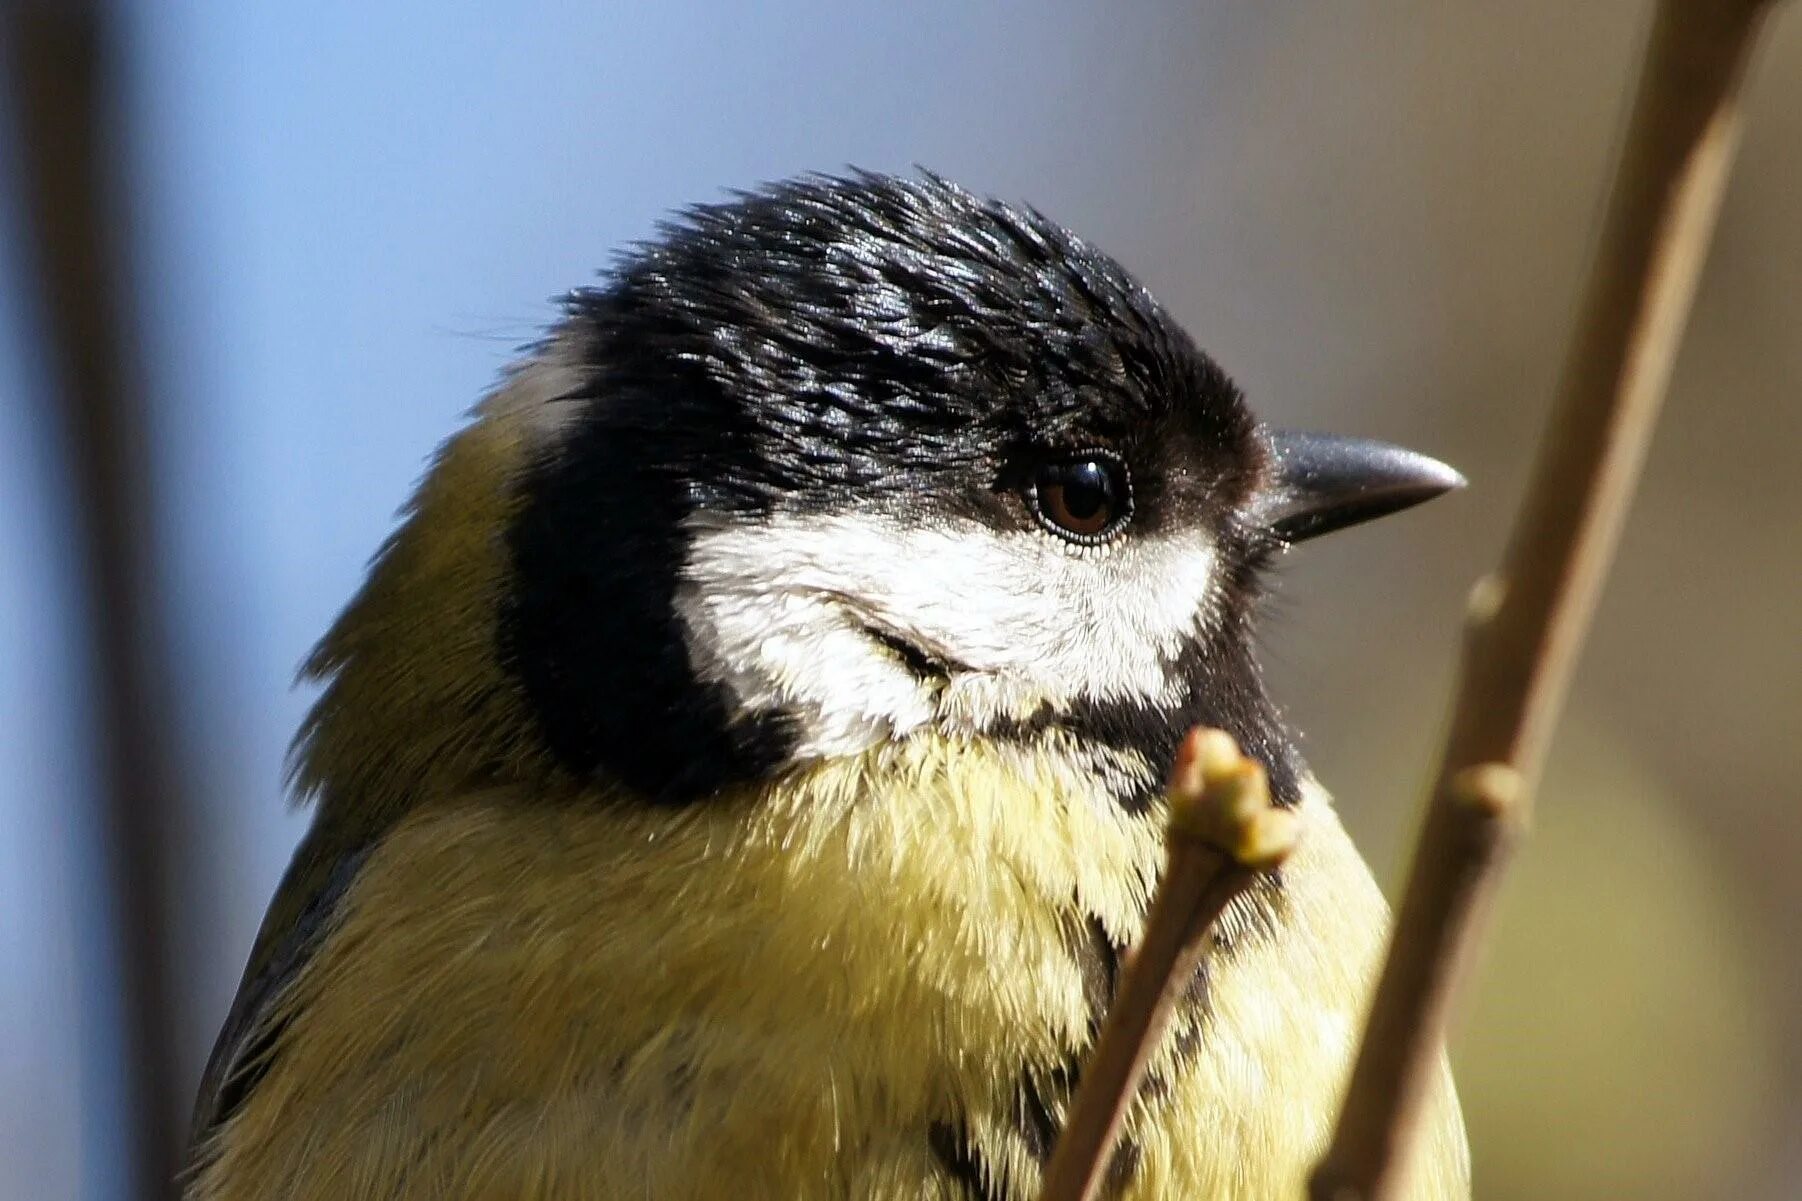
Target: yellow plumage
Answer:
[[779, 995]]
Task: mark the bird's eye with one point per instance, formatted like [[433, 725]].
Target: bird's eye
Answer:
[[1085, 498]]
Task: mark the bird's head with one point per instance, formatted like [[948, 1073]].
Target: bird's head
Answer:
[[840, 462]]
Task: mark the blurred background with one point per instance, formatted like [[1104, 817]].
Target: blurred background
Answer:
[[341, 219]]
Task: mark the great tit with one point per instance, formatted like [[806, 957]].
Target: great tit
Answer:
[[740, 773]]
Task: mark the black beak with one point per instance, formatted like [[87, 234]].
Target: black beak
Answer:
[[1324, 483]]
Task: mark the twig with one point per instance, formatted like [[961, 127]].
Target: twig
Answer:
[[1528, 622], [1223, 832], [63, 66]]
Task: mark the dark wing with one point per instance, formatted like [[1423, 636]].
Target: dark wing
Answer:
[[296, 924]]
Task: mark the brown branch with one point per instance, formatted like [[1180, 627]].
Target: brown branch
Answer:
[[1223, 832], [63, 63], [1527, 622]]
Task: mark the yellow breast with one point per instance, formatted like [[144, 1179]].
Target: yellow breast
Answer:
[[810, 992]]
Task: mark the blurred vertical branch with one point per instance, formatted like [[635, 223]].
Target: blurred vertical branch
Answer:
[[1528, 621], [64, 63]]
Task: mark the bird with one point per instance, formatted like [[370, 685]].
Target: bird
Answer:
[[740, 773]]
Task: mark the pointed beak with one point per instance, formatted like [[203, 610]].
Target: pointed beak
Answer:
[[1324, 483]]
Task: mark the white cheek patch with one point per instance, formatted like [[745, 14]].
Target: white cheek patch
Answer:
[[781, 610]]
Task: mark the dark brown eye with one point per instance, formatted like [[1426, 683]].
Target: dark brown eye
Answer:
[[1086, 498]]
